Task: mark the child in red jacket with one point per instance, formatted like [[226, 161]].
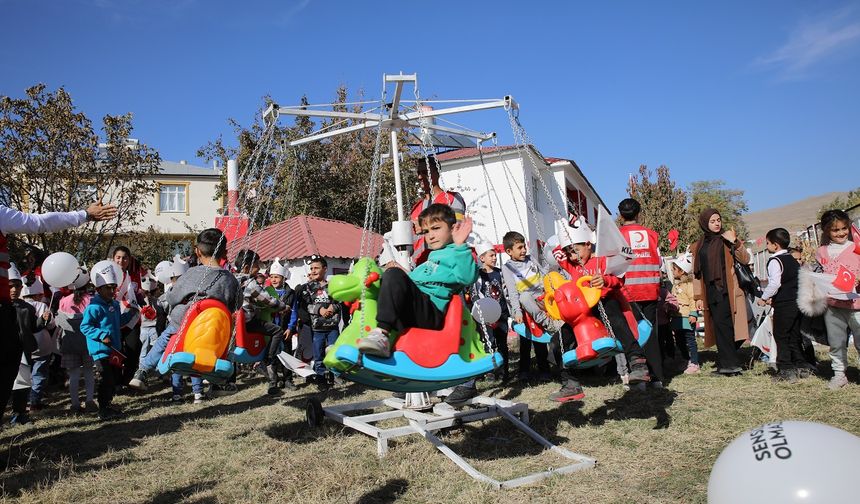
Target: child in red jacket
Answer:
[[578, 260]]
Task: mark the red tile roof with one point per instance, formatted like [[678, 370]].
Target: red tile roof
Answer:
[[303, 236]]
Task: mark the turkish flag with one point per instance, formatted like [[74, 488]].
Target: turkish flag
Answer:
[[673, 239], [845, 280]]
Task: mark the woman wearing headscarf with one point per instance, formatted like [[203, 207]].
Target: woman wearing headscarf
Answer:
[[716, 290]]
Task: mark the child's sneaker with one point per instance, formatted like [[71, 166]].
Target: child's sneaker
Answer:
[[460, 395], [138, 382], [19, 419], [198, 398], [569, 392], [176, 398], [785, 376], [638, 371], [375, 343], [838, 381], [691, 368], [92, 407]]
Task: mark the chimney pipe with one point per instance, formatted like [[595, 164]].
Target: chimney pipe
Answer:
[[232, 187]]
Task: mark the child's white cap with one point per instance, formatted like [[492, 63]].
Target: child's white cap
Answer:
[[278, 269], [483, 246], [580, 232], [104, 273], [684, 262], [35, 289], [563, 232], [163, 272], [14, 274]]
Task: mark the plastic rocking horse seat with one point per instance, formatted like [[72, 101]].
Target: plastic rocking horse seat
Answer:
[[424, 359], [200, 347], [250, 347], [573, 302]]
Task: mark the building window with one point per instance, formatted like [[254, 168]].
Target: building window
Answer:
[[535, 198], [173, 198], [577, 204]]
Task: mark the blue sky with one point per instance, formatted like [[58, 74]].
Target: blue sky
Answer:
[[760, 94]]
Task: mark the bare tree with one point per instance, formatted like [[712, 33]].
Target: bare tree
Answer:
[[51, 160]]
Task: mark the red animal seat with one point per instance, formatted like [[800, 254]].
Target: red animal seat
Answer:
[[431, 348]]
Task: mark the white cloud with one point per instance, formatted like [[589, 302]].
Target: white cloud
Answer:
[[813, 41], [290, 12]]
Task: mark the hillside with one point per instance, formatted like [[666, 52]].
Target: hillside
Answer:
[[794, 216]]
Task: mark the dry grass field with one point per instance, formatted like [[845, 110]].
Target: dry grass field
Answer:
[[655, 446]]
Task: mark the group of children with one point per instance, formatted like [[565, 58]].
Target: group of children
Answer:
[[92, 314]]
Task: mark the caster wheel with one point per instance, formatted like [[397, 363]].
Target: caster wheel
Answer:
[[314, 412]]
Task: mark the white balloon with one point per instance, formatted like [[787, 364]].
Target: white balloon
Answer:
[[787, 462], [60, 269], [489, 308], [163, 271], [551, 243]]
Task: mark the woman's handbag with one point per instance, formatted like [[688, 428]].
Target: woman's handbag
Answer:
[[746, 279]]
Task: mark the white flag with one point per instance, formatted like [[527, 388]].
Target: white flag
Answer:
[[763, 339], [612, 245]]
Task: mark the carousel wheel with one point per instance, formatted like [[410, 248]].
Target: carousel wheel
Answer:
[[314, 412]]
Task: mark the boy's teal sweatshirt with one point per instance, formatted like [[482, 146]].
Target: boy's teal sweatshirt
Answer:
[[102, 319], [446, 272]]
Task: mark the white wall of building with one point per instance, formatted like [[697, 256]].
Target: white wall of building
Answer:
[[200, 211], [509, 180]]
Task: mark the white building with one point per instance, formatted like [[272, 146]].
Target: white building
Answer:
[[184, 198], [495, 182]]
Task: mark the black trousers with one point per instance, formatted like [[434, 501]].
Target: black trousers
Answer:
[[274, 337], [274, 349], [680, 341], [541, 356], [10, 353], [568, 342], [403, 305], [107, 383], [618, 323], [20, 398], [724, 328], [131, 346], [652, 349], [786, 334]]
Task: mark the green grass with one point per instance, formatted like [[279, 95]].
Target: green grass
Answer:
[[656, 446]]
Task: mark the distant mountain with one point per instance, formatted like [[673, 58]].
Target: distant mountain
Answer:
[[793, 217]]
